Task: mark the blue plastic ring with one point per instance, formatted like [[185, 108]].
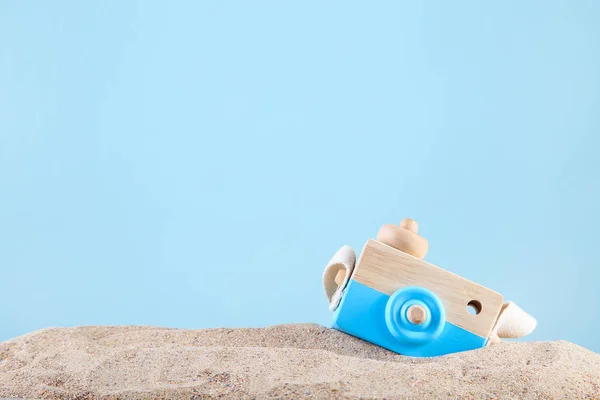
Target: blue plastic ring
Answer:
[[405, 331]]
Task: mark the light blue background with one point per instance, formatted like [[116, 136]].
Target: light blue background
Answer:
[[196, 164]]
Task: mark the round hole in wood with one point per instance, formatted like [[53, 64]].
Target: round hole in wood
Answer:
[[474, 307]]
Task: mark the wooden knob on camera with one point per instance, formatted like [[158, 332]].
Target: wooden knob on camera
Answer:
[[416, 314], [404, 237]]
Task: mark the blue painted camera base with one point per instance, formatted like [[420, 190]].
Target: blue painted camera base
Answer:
[[362, 313]]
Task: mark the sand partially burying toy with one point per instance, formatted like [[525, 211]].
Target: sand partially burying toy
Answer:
[[286, 361]]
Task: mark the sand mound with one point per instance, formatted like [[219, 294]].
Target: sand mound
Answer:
[[287, 361]]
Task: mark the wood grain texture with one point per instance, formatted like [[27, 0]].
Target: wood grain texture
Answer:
[[387, 269]]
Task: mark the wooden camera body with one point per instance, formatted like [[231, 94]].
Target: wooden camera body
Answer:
[[414, 308]]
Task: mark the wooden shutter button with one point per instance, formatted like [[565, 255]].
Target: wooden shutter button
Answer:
[[404, 237]]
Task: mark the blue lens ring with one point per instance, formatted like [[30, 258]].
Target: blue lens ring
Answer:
[[405, 331]]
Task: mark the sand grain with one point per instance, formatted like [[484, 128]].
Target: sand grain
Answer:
[[286, 361]]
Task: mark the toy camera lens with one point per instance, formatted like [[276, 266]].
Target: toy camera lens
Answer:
[[415, 315]]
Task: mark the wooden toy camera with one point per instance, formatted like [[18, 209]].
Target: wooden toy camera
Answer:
[[394, 299]]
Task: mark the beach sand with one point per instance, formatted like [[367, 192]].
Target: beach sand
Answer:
[[285, 361]]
